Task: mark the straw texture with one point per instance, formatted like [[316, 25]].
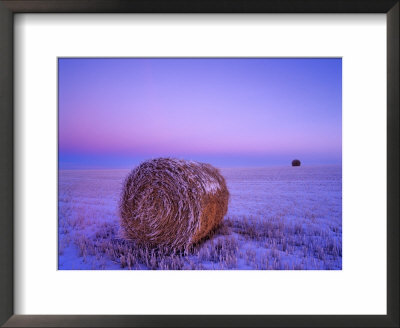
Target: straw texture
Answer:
[[172, 203]]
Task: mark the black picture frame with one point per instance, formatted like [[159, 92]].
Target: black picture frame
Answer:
[[10, 7]]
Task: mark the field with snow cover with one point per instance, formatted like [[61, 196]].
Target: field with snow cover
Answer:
[[279, 218]]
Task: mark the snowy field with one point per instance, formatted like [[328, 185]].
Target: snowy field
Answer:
[[279, 218]]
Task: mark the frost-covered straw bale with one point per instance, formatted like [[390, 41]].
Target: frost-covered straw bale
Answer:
[[172, 203]]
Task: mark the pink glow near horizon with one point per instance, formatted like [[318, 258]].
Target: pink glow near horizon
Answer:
[[282, 107]]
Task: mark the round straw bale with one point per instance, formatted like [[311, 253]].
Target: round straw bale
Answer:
[[172, 203], [296, 162]]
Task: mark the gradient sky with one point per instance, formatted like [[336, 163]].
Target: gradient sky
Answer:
[[114, 113]]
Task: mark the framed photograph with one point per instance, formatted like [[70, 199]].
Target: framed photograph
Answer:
[[195, 163], [214, 187]]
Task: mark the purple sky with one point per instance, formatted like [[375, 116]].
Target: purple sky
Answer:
[[114, 113]]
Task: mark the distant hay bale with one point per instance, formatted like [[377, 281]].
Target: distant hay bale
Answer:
[[172, 203], [296, 162]]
